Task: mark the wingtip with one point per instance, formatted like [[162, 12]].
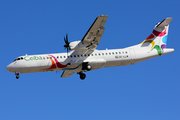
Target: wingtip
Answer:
[[169, 18], [103, 15]]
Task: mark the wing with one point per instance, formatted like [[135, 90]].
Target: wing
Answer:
[[95, 32], [67, 73]]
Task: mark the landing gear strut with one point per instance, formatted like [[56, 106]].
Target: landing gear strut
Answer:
[[17, 75], [82, 75]]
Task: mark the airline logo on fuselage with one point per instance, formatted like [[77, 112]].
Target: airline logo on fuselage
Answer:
[[28, 58]]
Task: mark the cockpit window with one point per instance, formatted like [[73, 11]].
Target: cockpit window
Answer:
[[20, 58]]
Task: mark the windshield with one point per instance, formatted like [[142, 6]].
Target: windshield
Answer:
[[19, 58]]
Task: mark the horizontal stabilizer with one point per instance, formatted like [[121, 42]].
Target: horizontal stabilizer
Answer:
[[168, 50], [165, 22]]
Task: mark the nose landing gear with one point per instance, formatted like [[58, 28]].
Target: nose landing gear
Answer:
[[17, 75]]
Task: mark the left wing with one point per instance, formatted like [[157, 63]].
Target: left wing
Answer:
[[67, 73], [95, 32]]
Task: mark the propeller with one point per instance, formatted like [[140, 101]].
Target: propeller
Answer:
[[66, 43]]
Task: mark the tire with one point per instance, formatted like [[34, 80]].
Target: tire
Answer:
[[17, 77], [82, 76]]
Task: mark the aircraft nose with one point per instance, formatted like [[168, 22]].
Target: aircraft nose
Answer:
[[8, 67]]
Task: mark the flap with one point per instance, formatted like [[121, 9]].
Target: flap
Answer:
[[67, 73]]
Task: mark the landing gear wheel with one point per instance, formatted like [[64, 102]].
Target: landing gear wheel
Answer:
[[17, 77], [82, 76]]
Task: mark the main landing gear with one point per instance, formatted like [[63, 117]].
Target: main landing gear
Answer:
[[82, 75], [85, 67], [17, 75]]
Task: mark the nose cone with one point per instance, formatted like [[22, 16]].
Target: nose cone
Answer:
[[8, 68]]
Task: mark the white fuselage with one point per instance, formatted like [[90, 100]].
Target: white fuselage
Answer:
[[97, 59]]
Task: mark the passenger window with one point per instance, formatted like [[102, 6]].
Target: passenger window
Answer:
[[88, 54], [60, 56], [81, 55], [109, 53], [85, 55], [113, 53], [99, 54], [57, 56], [122, 52], [102, 53], [126, 52], [95, 54], [116, 53], [106, 54], [74, 55], [91, 54], [77, 55], [119, 52], [64, 56]]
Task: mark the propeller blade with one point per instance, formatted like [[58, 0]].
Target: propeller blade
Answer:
[[67, 37], [66, 43]]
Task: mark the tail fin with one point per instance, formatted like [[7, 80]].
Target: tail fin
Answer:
[[158, 38]]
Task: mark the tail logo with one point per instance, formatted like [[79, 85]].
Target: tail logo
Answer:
[[151, 40]]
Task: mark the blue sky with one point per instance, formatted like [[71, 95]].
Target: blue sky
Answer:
[[145, 91]]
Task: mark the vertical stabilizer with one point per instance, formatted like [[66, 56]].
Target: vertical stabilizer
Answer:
[[158, 38]]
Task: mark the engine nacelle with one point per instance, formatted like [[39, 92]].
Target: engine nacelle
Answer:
[[77, 45]]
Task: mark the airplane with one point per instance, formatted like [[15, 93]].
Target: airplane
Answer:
[[82, 55]]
